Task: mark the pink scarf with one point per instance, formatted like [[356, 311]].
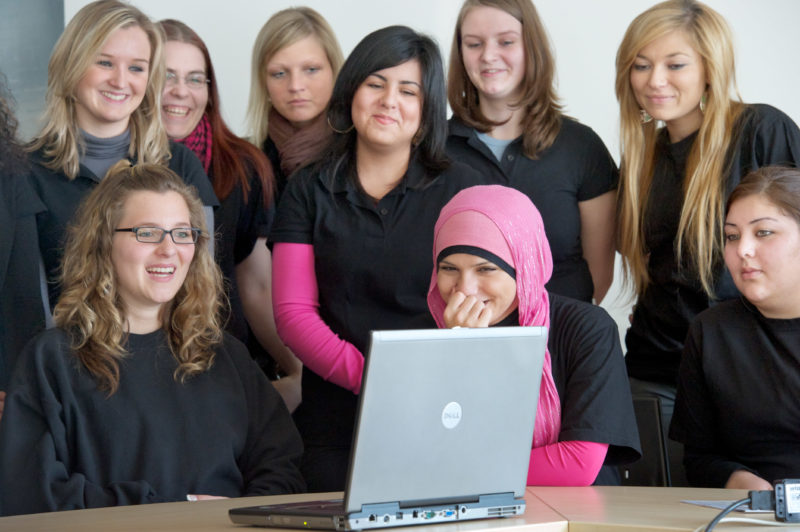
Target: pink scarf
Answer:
[[516, 232]]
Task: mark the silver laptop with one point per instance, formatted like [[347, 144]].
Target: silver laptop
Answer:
[[443, 434]]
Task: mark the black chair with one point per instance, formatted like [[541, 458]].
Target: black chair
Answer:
[[652, 469]]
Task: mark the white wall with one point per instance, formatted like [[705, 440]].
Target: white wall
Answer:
[[585, 35]]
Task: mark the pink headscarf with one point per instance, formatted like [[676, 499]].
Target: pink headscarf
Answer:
[[516, 228]]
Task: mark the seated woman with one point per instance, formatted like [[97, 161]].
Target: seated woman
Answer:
[[138, 396], [736, 410], [491, 263]]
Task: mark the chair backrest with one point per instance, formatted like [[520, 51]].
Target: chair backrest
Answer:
[[653, 468]]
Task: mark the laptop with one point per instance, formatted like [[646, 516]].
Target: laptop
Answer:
[[443, 433]]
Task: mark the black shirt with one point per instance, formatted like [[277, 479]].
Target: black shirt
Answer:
[[238, 226], [737, 405], [62, 196], [576, 168], [763, 136], [589, 374], [271, 150], [65, 444], [373, 268], [21, 309]]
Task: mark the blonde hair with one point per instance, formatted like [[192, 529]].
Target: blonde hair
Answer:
[[90, 308], [700, 226], [541, 121], [284, 28], [73, 54]]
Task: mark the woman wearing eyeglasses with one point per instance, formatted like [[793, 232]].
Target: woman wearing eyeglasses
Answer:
[[104, 87], [243, 181], [137, 396]]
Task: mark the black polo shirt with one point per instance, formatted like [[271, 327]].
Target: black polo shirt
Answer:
[[63, 196], [373, 266], [577, 167]]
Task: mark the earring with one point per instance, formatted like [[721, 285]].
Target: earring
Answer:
[[340, 131], [703, 101], [644, 116]]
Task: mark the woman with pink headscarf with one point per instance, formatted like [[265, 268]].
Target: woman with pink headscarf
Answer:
[[491, 262]]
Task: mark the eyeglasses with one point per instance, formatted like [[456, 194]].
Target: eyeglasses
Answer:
[[155, 235], [194, 81]]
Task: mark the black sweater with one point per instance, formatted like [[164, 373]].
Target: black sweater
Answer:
[[65, 445]]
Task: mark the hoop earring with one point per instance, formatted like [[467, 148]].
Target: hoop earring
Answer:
[[644, 116], [340, 131], [703, 101]]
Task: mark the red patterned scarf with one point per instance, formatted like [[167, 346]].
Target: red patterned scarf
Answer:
[[298, 146], [199, 141]]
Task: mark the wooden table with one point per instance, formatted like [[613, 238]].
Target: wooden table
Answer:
[[625, 509], [601, 509]]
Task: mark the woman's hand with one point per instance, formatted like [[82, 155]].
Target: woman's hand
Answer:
[[466, 311], [290, 389], [745, 480]]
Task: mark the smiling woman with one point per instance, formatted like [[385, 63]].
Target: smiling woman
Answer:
[[243, 181], [104, 89], [491, 261], [686, 143], [741, 356], [383, 179], [507, 123], [139, 369]]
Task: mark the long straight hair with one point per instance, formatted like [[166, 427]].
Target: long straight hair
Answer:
[[232, 158], [701, 219], [541, 121], [75, 51]]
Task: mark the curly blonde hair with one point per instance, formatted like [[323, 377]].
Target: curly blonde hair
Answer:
[[284, 28], [90, 308], [73, 54], [700, 226]]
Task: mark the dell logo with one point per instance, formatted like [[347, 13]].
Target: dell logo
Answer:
[[451, 415]]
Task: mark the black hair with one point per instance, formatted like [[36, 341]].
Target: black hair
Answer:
[[12, 156], [386, 48]]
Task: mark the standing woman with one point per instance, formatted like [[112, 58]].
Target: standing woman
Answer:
[[351, 232], [21, 311], [675, 69], [104, 86], [243, 182], [296, 58], [508, 125]]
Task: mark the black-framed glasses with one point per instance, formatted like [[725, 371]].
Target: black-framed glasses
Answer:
[[194, 81], [155, 235]]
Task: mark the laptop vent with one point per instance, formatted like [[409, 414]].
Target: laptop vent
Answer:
[[502, 511]]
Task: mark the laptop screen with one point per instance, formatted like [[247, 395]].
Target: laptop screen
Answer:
[[445, 415]]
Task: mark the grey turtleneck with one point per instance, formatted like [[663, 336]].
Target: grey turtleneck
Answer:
[[101, 154]]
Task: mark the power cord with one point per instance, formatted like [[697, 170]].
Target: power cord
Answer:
[[784, 501]]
